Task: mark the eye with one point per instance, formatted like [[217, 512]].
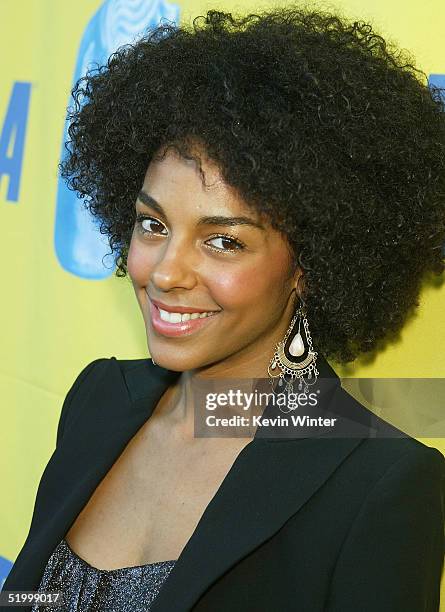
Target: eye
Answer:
[[151, 222], [236, 245], [155, 228]]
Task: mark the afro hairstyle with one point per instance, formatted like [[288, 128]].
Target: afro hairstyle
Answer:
[[319, 123]]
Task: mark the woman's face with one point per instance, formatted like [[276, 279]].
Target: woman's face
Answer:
[[178, 257]]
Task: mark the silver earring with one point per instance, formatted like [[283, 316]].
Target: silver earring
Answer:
[[153, 361], [294, 356]]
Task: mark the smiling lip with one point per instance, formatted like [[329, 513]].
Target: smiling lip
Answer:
[[184, 328], [180, 309]]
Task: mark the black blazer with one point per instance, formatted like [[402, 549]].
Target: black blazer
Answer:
[[301, 524]]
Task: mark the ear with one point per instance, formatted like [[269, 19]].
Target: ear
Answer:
[[298, 281]]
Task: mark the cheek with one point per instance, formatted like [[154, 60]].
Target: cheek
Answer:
[[260, 285], [137, 265]]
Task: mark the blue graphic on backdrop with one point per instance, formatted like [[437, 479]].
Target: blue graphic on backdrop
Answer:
[[437, 80], [79, 246], [12, 138], [5, 568]]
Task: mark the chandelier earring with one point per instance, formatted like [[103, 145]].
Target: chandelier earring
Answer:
[[294, 356]]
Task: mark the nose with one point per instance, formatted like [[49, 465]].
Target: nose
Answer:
[[175, 266]]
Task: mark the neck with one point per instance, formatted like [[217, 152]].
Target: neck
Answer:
[[189, 395]]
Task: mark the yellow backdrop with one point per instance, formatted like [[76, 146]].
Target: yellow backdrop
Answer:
[[60, 310]]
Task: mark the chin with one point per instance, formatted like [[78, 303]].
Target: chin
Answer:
[[169, 366], [170, 362], [177, 362]]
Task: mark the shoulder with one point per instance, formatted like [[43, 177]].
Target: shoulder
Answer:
[[388, 450], [88, 373], [100, 371], [108, 366], [404, 464]]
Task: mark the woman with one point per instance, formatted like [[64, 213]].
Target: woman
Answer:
[[278, 179]]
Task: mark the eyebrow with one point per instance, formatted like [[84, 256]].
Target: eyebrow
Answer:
[[207, 220]]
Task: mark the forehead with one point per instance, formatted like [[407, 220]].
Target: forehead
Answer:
[[174, 178]]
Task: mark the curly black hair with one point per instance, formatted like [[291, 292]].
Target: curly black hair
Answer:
[[317, 121]]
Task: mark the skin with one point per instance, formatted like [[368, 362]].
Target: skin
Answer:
[[253, 287]]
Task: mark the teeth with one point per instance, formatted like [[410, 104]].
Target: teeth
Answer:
[[177, 317]]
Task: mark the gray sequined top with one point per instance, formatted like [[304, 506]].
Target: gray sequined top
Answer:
[[89, 589]]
